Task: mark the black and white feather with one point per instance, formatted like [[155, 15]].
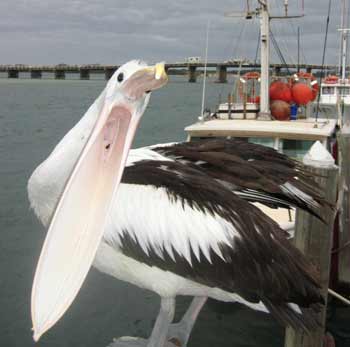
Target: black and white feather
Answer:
[[255, 173]]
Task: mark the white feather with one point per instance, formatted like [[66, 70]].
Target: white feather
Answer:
[[157, 222]]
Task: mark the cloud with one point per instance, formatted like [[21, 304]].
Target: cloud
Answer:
[[113, 31]]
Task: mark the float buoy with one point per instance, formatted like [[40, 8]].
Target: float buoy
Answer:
[[304, 92], [280, 91], [280, 110]]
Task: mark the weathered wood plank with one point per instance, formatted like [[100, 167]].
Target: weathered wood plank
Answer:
[[344, 213], [314, 239]]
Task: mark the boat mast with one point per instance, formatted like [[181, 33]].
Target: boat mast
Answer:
[[263, 13], [343, 41], [264, 61]]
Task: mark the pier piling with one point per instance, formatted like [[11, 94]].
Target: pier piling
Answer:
[[344, 215], [36, 74], [60, 74], [221, 72], [314, 239], [84, 74], [192, 75], [12, 73]]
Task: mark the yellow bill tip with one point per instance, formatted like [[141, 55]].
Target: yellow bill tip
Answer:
[[160, 72]]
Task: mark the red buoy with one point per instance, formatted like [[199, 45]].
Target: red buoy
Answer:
[[280, 91], [302, 93], [280, 110]]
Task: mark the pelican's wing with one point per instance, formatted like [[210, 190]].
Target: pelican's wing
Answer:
[[254, 172], [181, 220]]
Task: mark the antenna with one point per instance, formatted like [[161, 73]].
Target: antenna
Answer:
[[343, 40], [205, 72]]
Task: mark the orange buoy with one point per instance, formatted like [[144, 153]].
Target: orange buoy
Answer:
[[331, 79], [302, 93], [280, 110], [280, 91], [254, 99]]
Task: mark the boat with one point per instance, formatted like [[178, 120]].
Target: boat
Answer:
[[248, 116], [334, 98]]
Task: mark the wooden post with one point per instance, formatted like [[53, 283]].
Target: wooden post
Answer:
[[12, 73], [84, 74], [344, 215], [192, 76], [314, 238], [229, 101], [221, 72], [60, 74]]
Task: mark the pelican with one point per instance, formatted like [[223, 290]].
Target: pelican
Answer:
[[174, 224]]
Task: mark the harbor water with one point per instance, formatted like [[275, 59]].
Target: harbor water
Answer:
[[34, 115]]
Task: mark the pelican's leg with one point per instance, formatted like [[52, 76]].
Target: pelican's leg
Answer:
[[159, 334], [164, 319], [179, 333]]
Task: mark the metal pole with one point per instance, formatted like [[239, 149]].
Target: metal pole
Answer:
[[298, 49], [342, 38], [205, 73], [265, 52]]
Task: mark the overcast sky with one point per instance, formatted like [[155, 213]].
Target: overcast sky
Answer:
[[114, 31]]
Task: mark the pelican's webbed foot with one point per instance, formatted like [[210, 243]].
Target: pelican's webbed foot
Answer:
[[179, 333], [159, 334], [129, 341], [164, 333]]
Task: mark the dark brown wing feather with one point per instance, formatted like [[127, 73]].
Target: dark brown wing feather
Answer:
[[254, 172]]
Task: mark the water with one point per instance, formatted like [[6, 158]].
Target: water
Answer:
[[34, 115]]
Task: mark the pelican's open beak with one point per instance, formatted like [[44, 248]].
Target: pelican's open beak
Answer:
[[78, 222]]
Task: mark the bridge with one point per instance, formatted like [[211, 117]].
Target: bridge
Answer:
[[191, 69]]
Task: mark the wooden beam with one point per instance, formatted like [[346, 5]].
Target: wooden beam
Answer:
[[344, 215], [314, 239]]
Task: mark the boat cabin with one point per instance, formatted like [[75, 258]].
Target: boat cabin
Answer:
[[334, 100], [333, 89]]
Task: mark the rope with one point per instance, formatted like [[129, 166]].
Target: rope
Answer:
[[338, 296], [235, 50], [278, 51], [323, 57], [257, 49]]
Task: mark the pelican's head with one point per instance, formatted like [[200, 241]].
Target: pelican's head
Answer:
[[78, 221], [132, 83]]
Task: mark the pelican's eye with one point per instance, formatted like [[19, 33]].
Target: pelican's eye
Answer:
[[120, 77]]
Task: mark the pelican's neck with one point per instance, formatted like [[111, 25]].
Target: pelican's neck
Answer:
[[49, 178]]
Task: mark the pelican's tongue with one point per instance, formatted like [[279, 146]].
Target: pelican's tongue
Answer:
[[78, 222]]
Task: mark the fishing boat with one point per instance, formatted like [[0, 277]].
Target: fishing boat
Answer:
[[334, 98], [251, 117]]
